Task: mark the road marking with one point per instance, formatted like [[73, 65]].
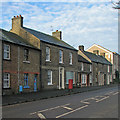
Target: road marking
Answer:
[[109, 93], [102, 99], [68, 108], [84, 102], [72, 111], [41, 116], [49, 109], [115, 93]]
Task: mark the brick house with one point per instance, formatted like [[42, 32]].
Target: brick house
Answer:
[[84, 71], [20, 64], [101, 67], [109, 55], [58, 59]]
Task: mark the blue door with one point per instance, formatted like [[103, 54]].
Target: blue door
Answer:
[[35, 83]]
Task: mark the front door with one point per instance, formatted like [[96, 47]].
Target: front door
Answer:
[[61, 78], [35, 82]]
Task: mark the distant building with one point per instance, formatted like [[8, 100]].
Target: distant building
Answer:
[[101, 67], [20, 64], [112, 57]]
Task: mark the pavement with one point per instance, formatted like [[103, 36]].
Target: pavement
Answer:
[[33, 96]]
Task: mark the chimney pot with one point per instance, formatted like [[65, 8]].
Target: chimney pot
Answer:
[[14, 16], [56, 30], [81, 47], [17, 15]]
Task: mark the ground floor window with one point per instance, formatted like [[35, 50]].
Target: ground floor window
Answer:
[[25, 80], [6, 80], [84, 78], [70, 75], [49, 77]]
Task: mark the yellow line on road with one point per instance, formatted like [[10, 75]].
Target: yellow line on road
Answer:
[[72, 111]]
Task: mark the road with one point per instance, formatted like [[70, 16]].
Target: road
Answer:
[[101, 103]]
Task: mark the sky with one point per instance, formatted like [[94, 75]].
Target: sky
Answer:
[[81, 22]]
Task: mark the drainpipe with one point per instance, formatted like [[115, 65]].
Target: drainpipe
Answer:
[[1, 79], [18, 67]]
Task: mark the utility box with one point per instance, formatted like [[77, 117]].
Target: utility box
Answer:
[[70, 83]]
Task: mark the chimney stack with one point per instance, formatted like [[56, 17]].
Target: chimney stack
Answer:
[[81, 47], [57, 34], [17, 21]]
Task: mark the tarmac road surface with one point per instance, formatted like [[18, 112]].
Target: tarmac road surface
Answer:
[[102, 103]]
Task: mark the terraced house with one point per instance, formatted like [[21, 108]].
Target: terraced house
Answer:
[[58, 59], [112, 57], [101, 67], [20, 71]]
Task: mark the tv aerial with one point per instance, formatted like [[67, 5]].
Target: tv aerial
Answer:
[[116, 4]]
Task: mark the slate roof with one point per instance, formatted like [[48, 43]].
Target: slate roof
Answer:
[[81, 59], [14, 38], [48, 38], [96, 58]]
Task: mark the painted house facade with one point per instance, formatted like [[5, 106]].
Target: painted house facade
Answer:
[[101, 67], [20, 69], [58, 59], [109, 55]]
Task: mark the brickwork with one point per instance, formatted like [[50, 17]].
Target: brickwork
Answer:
[[16, 66]]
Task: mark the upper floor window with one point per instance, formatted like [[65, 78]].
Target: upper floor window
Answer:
[[108, 68], [60, 56], [26, 54], [6, 80], [82, 66], [49, 77], [90, 67], [70, 55], [47, 54], [6, 51]]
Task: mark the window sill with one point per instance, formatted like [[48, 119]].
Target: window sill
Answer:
[[26, 62], [50, 84], [7, 88], [26, 87], [7, 59], [47, 61], [61, 63], [70, 64]]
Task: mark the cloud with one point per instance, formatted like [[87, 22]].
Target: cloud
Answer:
[[83, 23]]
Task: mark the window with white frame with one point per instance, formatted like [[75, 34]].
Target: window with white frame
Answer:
[[84, 78], [47, 54], [6, 80], [90, 68], [60, 56], [82, 66], [6, 51], [49, 77], [90, 78], [70, 56], [25, 80], [26, 54], [108, 68]]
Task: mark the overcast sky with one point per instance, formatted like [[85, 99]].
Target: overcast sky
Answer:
[[81, 23]]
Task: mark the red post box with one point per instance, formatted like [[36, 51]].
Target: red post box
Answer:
[[70, 83]]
